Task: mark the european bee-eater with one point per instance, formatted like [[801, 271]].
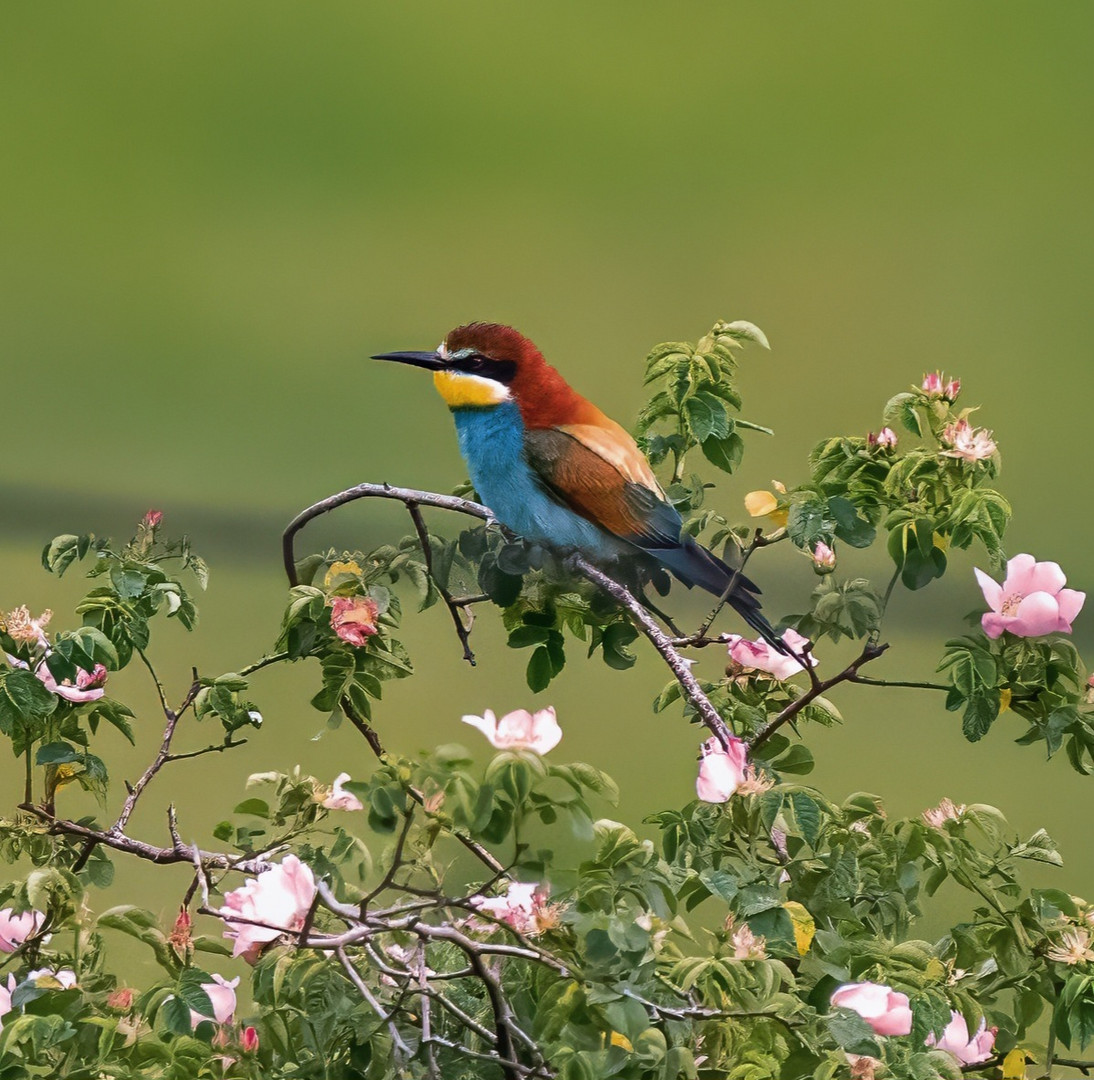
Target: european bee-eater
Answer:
[[558, 472]]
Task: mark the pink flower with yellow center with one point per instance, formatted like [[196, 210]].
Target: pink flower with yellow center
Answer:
[[1031, 601], [353, 618], [967, 443], [760, 656], [721, 771]]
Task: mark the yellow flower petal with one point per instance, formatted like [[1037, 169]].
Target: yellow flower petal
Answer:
[[760, 503], [804, 926], [1004, 699], [1014, 1064], [340, 569], [621, 1040]]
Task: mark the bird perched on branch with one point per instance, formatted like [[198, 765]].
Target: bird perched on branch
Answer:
[[558, 472]]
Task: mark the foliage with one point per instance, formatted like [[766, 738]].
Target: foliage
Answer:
[[440, 933]]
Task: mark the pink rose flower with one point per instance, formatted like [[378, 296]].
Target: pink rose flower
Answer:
[[88, 685], [969, 1050], [279, 900], [339, 799], [721, 771], [520, 729], [15, 929], [886, 1010], [152, 519], [222, 996], [932, 383], [951, 390], [5, 995], [524, 907], [1031, 601], [967, 443], [759, 656], [248, 1040], [353, 618], [824, 561]]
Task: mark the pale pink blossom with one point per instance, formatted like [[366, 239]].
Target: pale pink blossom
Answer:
[[946, 810], [5, 996], [520, 729], [824, 559], [65, 978], [1031, 601], [968, 1049], [339, 798], [278, 900], [222, 997], [885, 439], [932, 383], [524, 907], [966, 442], [886, 1010], [760, 656], [747, 946], [15, 929], [721, 771], [353, 618], [88, 685]]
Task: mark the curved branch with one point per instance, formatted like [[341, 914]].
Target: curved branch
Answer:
[[411, 497]]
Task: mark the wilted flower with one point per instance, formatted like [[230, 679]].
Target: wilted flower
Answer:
[[824, 560], [760, 656], [721, 771], [945, 811], [353, 618], [863, 1067], [754, 782], [524, 907], [15, 929], [1073, 948], [279, 900], [65, 979], [969, 1050], [1031, 601], [520, 729], [248, 1040], [339, 798], [747, 946], [222, 997], [21, 627], [121, 1001], [886, 1010], [180, 935], [966, 442]]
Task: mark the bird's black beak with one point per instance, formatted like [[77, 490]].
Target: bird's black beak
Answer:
[[429, 360]]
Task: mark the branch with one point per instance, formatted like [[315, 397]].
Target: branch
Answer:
[[849, 674], [412, 497], [462, 632], [178, 852]]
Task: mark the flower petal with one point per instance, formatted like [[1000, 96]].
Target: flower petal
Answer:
[[487, 724], [992, 590], [993, 624], [1047, 577], [1037, 614], [1071, 603], [1019, 577]]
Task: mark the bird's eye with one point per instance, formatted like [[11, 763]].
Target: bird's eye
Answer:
[[475, 362]]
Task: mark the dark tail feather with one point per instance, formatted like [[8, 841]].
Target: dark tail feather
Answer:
[[693, 564]]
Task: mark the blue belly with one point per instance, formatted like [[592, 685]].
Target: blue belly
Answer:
[[492, 444]]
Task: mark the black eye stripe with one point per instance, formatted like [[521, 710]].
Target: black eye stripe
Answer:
[[501, 371]]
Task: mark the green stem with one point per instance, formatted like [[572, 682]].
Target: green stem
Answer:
[[28, 790], [266, 661]]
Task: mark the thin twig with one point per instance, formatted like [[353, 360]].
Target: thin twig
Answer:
[[849, 673], [462, 632]]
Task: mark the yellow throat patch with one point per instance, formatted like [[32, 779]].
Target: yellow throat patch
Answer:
[[461, 390]]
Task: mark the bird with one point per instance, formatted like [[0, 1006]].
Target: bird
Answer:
[[555, 470]]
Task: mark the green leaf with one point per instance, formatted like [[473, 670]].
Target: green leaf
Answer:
[[540, 671], [725, 454], [851, 527], [56, 753], [852, 1033]]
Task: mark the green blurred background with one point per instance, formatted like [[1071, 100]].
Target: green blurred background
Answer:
[[213, 213]]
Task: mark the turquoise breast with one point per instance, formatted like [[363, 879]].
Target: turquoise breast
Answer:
[[492, 444]]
